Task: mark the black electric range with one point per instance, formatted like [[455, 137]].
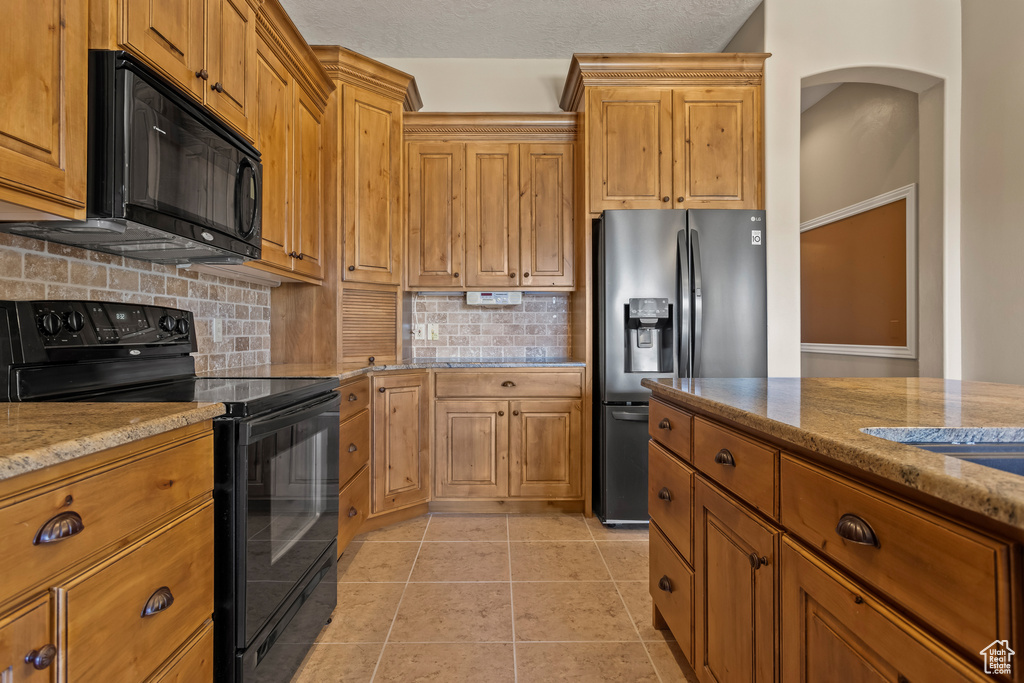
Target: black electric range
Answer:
[[275, 461]]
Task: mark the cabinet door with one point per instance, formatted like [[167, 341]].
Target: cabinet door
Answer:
[[716, 148], [43, 118], [471, 449], [401, 448], [833, 631], [21, 633], [544, 445], [734, 564], [308, 232], [371, 142], [492, 214], [546, 215], [170, 36], [230, 56], [631, 148], [436, 214], [274, 109]]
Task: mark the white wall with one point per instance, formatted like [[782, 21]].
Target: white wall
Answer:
[[993, 191], [491, 85], [917, 42]]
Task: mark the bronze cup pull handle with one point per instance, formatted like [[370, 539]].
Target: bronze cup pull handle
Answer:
[[724, 457], [856, 530], [59, 527], [158, 602], [352, 512], [665, 584], [665, 495], [41, 658], [352, 448], [353, 397], [665, 424], [508, 383]]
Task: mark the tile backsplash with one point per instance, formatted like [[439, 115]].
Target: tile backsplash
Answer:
[[536, 328], [32, 269]]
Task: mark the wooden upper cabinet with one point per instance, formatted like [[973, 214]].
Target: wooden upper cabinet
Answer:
[[170, 35], [372, 137], [715, 134], [436, 248], [230, 60], [400, 460], [44, 115], [546, 214], [492, 215], [631, 145], [274, 113], [308, 233]]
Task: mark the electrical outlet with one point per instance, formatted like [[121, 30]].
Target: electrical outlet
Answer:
[[419, 331], [433, 332], [218, 329]]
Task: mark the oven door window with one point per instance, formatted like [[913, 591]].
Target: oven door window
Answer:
[[292, 510]]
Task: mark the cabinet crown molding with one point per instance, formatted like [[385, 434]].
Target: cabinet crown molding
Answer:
[[350, 67], [275, 26], [545, 127], [658, 70]]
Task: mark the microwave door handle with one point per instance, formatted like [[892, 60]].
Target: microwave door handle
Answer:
[[698, 301]]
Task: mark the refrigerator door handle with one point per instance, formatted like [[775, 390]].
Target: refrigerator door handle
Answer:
[[698, 303], [683, 316], [630, 417]]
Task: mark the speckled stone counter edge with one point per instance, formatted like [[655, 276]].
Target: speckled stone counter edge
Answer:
[[992, 493], [345, 373], [22, 462]]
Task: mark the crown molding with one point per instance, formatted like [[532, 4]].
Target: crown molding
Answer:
[[276, 28], [345, 66], [658, 70], [553, 127]]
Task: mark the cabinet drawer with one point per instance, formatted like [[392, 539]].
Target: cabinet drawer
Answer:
[[23, 632], [914, 557], [193, 662], [353, 507], [671, 587], [746, 468], [355, 396], [105, 506], [106, 609], [508, 384], [671, 427], [355, 446], [670, 498]]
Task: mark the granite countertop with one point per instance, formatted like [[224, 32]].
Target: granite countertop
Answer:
[[37, 435], [828, 415], [344, 372]]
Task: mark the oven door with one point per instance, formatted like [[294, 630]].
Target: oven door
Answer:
[[288, 469]]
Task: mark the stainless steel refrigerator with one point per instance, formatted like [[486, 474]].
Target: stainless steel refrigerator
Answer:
[[679, 294]]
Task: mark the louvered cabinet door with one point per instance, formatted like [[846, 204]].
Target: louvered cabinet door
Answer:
[[369, 326]]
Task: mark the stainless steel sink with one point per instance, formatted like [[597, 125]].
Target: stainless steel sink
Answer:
[[1008, 457]]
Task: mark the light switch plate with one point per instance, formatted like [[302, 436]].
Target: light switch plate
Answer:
[[419, 331], [433, 332]]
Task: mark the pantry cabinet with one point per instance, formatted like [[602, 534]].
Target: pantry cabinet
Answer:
[[43, 120], [490, 201], [670, 131]]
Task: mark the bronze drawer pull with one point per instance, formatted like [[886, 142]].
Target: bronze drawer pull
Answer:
[[665, 584], [455, 274], [352, 512], [512, 275], [508, 383], [724, 457], [665, 199], [41, 658], [515, 412], [856, 530], [665, 424], [353, 397], [382, 390], [665, 495], [158, 601], [526, 275], [59, 527], [352, 448], [757, 562], [501, 413], [351, 268]]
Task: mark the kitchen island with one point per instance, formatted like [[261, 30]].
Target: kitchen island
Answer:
[[835, 553]]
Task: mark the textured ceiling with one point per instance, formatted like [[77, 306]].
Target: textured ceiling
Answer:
[[525, 29]]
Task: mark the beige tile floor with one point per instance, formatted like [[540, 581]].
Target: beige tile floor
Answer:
[[494, 598]]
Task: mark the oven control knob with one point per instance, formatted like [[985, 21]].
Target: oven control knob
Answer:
[[167, 323], [182, 326], [50, 323], [75, 321]]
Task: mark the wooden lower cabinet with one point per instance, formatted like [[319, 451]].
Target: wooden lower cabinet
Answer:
[[400, 455], [671, 587], [544, 450], [471, 449], [735, 566], [27, 644], [353, 508], [832, 630], [194, 661]]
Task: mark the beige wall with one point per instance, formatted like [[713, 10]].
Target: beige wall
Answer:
[[993, 191], [750, 37]]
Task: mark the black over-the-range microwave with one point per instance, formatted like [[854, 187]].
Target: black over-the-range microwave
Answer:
[[167, 182]]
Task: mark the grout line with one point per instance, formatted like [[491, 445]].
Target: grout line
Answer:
[[629, 616], [380, 657], [511, 602]]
